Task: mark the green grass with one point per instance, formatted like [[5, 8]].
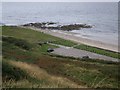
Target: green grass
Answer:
[[88, 73], [13, 52], [64, 42], [45, 47], [33, 36], [18, 42], [99, 51]]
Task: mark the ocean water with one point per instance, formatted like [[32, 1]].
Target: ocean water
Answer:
[[103, 16]]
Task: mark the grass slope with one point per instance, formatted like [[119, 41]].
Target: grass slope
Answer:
[[33, 36], [37, 68]]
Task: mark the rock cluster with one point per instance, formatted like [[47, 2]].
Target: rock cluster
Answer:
[[54, 26]]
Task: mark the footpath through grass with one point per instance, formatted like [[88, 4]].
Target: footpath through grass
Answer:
[[99, 51], [23, 54]]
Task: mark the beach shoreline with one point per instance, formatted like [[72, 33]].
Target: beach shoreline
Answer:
[[79, 40]]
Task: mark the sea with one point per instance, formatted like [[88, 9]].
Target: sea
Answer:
[[103, 16]]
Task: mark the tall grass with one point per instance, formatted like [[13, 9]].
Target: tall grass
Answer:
[[44, 79]]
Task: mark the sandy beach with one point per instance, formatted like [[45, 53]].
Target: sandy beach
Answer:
[[70, 36]]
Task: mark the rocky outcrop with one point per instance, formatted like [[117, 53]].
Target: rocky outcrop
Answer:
[[54, 26]]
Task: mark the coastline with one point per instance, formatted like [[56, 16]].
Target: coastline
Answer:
[[80, 40]]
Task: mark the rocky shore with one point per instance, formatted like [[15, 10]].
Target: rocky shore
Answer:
[[56, 26]]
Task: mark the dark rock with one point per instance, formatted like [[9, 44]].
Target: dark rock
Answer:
[[50, 23], [45, 25], [74, 27]]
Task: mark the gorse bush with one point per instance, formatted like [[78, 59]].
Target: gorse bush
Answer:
[[18, 42]]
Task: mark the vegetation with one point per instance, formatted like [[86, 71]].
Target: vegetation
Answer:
[[35, 68], [99, 51], [33, 36], [18, 42], [11, 72]]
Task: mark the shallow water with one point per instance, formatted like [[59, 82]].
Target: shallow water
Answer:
[[103, 16]]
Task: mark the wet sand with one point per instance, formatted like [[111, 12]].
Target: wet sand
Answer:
[[69, 36]]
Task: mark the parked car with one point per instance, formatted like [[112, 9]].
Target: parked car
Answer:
[[85, 57], [50, 50]]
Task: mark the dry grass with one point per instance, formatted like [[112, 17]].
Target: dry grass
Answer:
[[36, 72]]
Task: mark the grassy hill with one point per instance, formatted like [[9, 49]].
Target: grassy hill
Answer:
[[26, 63]]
